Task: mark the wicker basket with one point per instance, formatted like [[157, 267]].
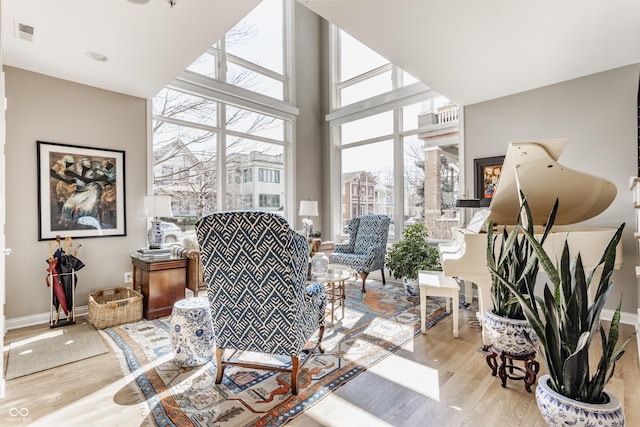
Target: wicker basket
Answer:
[[114, 306]]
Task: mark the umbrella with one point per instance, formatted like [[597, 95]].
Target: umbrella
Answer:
[[59, 299], [67, 265]]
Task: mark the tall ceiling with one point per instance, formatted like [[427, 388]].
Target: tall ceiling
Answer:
[[146, 45], [468, 50]]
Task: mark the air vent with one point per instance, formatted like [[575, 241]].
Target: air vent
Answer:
[[25, 32]]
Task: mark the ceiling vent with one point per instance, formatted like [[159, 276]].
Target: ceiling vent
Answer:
[[25, 32]]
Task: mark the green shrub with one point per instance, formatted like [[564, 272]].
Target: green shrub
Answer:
[[412, 253]]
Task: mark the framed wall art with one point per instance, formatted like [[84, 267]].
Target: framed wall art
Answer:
[[487, 174], [81, 191]]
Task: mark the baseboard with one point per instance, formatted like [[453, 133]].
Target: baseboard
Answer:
[[39, 319], [626, 318]]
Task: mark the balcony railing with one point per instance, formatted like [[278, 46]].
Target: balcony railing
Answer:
[[450, 115]]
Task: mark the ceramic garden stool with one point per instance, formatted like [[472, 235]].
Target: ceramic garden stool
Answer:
[[191, 332], [436, 284]]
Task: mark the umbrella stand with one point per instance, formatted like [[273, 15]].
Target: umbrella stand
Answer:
[[70, 314], [62, 282]]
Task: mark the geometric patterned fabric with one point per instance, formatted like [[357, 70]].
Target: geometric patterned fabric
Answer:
[[255, 268], [367, 244]]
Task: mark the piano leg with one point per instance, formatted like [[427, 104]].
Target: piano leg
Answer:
[[484, 298], [468, 292]]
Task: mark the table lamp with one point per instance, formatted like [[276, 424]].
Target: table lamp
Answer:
[[308, 208], [156, 207]]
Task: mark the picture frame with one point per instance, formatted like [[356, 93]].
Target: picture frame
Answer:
[[487, 174], [81, 191]]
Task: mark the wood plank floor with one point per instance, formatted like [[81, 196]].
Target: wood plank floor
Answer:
[[434, 380]]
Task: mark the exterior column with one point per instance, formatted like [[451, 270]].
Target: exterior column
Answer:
[[432, 208]]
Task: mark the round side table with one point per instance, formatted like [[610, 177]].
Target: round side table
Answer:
[[191, 332]]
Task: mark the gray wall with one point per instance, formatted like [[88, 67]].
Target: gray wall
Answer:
[[48, 109], [597, 113], [309, 127]]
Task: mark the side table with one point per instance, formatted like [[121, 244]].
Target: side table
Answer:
[[161, 282], [436, 284], [191, 332]]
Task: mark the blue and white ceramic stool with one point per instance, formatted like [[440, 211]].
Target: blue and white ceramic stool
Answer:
[[192, 332]]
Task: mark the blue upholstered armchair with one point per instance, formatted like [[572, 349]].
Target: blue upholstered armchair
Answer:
[[255, 270], [367, 245]]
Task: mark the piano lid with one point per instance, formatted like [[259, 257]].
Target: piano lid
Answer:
[[533, 167]]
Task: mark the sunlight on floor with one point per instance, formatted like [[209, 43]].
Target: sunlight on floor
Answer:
[[30, 340], [345, 410], [414, 376]]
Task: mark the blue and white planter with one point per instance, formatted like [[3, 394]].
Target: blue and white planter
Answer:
[[508, 336], [560, 411], [412, 286]]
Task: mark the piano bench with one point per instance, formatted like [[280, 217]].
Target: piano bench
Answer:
[[436, 284]]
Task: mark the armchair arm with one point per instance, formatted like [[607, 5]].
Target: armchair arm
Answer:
[[375, 257], [195, 278], [375, 251], [316, 301], [344, 248]]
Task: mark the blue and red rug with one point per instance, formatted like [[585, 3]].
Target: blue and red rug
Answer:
[[375, 324]]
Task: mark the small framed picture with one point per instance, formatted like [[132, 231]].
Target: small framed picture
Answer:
[[81, 191], [487, 174]]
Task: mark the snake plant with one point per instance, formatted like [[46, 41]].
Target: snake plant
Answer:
[[516, 263], [566, 322]]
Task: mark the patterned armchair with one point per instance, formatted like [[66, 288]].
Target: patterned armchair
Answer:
[[367, 245], [255, 269]]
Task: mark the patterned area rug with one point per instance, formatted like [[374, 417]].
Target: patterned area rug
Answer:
[[375, 324]]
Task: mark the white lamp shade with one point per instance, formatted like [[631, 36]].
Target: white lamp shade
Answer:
[[308, 208], [157, 206]]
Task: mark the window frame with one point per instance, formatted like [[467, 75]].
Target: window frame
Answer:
[[218, 90], [394, 101]]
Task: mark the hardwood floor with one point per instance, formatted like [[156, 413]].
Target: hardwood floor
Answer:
[[434, 380]]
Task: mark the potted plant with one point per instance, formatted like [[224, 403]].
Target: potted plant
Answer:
[[565, 324], [505, 324], [411, 254]]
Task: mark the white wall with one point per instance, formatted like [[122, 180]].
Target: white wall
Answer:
[[48, 109], [597, 113]]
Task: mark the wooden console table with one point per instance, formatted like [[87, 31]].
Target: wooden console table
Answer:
[[161, 282]]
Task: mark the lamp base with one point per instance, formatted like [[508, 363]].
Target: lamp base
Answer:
[[155, 236]]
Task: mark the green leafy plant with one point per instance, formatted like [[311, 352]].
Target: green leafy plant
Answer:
[[515, 262], [412, 253], [566, 323]]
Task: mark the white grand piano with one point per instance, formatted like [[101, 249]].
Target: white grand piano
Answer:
[[533, 168]]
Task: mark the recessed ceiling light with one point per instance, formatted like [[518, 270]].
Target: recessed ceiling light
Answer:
[[138, 1], [97, 56]]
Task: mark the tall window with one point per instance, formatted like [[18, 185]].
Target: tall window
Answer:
[[201, 132], [387, 144]]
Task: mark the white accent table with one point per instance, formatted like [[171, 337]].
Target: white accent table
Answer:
[[436, 284]]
